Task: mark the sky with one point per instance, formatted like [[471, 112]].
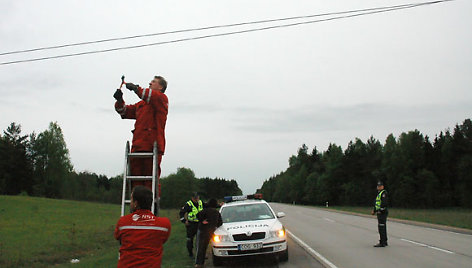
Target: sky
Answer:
[[239, 105]]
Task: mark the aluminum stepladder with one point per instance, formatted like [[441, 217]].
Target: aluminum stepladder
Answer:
[[127, 178]]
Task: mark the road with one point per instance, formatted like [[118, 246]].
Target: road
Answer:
[[298, 257], [347, 240]]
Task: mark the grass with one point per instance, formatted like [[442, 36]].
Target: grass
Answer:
[[456, 217], [40, 232]]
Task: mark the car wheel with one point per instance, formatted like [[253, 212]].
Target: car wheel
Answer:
[[283, 256], [217, 261]]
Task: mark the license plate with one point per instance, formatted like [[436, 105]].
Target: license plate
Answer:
[[251, 246]]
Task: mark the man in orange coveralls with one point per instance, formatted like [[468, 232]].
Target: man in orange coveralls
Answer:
[[141, 234], [151, 115]]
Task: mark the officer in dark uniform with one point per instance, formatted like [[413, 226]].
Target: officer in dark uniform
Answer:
[[380, 208], [188, 215]]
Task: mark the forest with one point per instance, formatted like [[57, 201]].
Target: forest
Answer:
[[417, 172], [39, 165]]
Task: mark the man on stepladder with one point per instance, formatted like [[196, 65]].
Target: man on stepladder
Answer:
[[151, 115]]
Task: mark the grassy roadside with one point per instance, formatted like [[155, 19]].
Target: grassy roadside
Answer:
[[456, 217], [40, 232]]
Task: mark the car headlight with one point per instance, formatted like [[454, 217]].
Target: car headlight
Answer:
[[279, 233], [220, 238]]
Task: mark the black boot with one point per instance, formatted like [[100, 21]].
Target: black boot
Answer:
[[380, 245]]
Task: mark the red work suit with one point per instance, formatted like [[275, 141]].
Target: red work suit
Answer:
[[151, 116], [142, 236]]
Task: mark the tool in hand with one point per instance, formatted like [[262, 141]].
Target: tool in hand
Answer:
[[122, 81]]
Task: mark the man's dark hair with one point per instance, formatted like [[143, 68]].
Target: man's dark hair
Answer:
[[162, 82], [143, 195], [212, 203]]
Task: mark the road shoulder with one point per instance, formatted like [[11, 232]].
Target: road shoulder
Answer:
[[409, 222]]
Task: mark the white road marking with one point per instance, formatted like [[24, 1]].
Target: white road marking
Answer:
[[451, 232], [428, 246], [310, 250], [330, 220]]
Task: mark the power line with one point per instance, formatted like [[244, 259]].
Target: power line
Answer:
[[198, 29], [383, 10]]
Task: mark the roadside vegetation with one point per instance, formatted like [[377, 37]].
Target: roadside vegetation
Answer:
[[39, 165], [418, 172], [40, 232]]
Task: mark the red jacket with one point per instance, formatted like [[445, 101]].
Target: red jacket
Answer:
[[151, 117], [142, 236]]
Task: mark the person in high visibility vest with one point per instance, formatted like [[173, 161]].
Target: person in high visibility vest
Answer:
[[380, 208], [188, 216]]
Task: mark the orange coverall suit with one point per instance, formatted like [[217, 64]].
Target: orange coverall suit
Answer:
[[151, 116], [142, 236]]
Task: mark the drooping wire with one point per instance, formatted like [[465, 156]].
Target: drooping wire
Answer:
[[373, 11], [198, 29]]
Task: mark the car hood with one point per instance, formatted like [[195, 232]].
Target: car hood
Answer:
[[245, 226]]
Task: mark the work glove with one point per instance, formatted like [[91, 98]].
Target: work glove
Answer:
[[118, 95], [132, 86]]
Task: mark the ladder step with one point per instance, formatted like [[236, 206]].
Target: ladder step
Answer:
[[140, 154], [139, 178], [129, 201]]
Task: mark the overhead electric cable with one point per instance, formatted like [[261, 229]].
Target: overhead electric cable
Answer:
[[205, 28], [224, 34]]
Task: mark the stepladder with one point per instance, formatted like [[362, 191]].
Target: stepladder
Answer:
[[129, 178]]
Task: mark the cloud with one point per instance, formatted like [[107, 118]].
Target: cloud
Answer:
[[184, 108], [332, 118]]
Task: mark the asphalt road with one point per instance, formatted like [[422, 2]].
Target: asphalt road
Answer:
[[298, 257], [347, 240]]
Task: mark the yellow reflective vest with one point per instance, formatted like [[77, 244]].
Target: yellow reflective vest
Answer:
[[378, 200], [192, 216]]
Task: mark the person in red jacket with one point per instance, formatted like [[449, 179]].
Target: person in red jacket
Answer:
[[141, 234], [151, 115]]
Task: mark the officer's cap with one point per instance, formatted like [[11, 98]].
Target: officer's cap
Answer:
[[379, 183], [195, 195]]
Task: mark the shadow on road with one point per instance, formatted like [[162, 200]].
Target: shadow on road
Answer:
[[298, 257], [252, 261]]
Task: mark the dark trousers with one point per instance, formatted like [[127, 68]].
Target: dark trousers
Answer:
[[191, 232], [382, 220], [203, 238]]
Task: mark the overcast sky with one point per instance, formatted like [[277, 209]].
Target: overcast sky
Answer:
[[240, 105]]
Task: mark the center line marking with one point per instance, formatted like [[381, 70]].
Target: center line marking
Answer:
[[428, 246], [330, 220]]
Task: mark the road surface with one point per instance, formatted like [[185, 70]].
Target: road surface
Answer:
[[347, 240], [297, 258]]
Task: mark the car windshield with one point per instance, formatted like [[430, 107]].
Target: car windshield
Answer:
[[250, 212]]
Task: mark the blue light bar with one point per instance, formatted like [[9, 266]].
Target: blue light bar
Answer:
[[242, 197]]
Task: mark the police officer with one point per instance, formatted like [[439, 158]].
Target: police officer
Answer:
[[380, 208], [188, 215]]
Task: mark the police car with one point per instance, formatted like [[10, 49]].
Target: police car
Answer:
[[250, 227]]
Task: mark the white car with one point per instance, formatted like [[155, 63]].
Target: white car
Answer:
[[250, 227]]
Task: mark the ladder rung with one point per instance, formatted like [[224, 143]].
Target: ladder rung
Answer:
[[139, 178], [129, 201], [140, 154]]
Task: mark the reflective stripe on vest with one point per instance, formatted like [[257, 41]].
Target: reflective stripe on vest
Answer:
[[192, 216], [378, 200]]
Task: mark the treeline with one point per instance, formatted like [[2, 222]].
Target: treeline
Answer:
[[39, 165], [417, 172], [178, 187]]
